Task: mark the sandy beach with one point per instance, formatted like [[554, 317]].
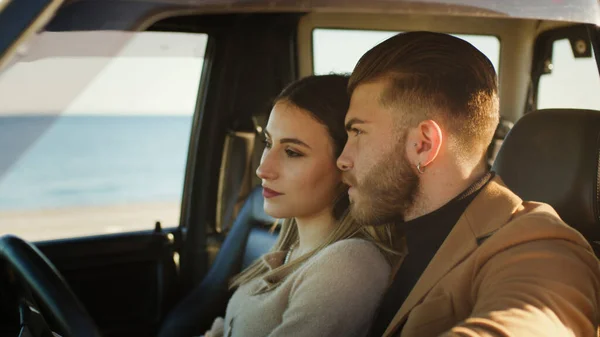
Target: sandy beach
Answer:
[[83, 221]]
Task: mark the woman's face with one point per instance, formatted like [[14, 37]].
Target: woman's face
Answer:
[[297, 168]]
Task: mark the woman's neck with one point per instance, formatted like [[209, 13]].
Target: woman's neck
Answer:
[[313, 231]]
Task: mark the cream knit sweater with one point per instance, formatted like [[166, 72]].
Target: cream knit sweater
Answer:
[[334, 293]]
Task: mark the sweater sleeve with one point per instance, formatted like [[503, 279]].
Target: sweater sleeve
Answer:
[[336, 295]]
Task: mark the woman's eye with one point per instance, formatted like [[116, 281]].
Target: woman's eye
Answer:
[[267, 143], [292, 153]]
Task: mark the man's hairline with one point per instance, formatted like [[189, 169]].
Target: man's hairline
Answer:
[[393, 107], [387, 80]]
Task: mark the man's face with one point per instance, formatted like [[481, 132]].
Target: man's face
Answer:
[[383, 183]]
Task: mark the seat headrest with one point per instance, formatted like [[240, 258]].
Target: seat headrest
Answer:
[[552, 156], [255, 203]]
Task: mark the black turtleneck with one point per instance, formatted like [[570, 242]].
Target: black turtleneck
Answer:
[[424, 236]]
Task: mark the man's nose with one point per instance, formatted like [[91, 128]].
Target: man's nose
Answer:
[[344, 161], [267, 169]]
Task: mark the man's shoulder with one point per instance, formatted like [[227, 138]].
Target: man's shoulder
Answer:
[[533, 222]]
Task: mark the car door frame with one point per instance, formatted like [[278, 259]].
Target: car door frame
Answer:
[[19, 20], [104, 270]]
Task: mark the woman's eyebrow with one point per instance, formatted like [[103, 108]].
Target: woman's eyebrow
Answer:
[[288, 140], [294, 141]]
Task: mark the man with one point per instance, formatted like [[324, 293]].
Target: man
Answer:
[[480, 261]]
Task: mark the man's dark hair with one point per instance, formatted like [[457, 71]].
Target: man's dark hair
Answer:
[[436, 76]]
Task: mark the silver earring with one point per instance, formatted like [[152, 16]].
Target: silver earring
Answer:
[[420, 169]]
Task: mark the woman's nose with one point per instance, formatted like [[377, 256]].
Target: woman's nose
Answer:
[[267, 169]]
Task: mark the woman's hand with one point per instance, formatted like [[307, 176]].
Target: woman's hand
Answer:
[[217, 328]]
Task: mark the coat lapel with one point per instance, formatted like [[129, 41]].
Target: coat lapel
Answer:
[[490, 210]]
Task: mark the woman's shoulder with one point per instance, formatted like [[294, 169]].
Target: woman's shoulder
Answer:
[[348, 265], [353, 252], [352, 245]]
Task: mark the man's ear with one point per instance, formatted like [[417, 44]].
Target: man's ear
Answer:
[[426, 141]]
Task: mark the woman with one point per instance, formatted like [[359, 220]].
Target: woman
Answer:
[[326, 274]]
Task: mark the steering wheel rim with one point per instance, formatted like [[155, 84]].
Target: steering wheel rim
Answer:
[[46, 282]]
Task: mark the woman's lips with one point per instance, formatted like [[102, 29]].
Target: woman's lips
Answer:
[[269, 193]]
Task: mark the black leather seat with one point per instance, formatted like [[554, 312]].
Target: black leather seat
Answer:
[[248, 239], [552, 156]]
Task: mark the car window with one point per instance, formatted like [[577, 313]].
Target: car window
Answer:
[[94, 132], [338, 50], [571, 82]]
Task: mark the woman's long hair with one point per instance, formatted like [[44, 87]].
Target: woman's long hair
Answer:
[[326, 99]]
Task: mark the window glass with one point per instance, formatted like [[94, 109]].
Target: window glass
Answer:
[[573, 83], [94, 132], [338, 50]]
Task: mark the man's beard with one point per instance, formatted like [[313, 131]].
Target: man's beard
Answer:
[[388, 191]]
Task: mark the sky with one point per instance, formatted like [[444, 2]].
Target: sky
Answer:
[[158, 73]]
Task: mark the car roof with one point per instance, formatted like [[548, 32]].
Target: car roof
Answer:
[[580, 11]]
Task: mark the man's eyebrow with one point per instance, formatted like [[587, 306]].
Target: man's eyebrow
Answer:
[[288, 140], [353, 121]]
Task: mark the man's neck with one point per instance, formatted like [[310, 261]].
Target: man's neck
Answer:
[[438, 189]]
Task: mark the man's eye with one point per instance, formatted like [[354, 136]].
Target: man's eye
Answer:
[[292, 153], [356, 132]]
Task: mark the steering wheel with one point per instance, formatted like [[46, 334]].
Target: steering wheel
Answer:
[[39, 275]]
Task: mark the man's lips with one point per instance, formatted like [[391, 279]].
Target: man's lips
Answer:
[[349, 181], [351, 189], [269, 193]]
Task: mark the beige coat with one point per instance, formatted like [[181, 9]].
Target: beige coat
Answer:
[[335, 293], [507, 268]]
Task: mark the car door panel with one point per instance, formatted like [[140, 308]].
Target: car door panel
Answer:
[[127, 282]]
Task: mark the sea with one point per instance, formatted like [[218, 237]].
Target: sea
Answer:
[[50, 162]]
